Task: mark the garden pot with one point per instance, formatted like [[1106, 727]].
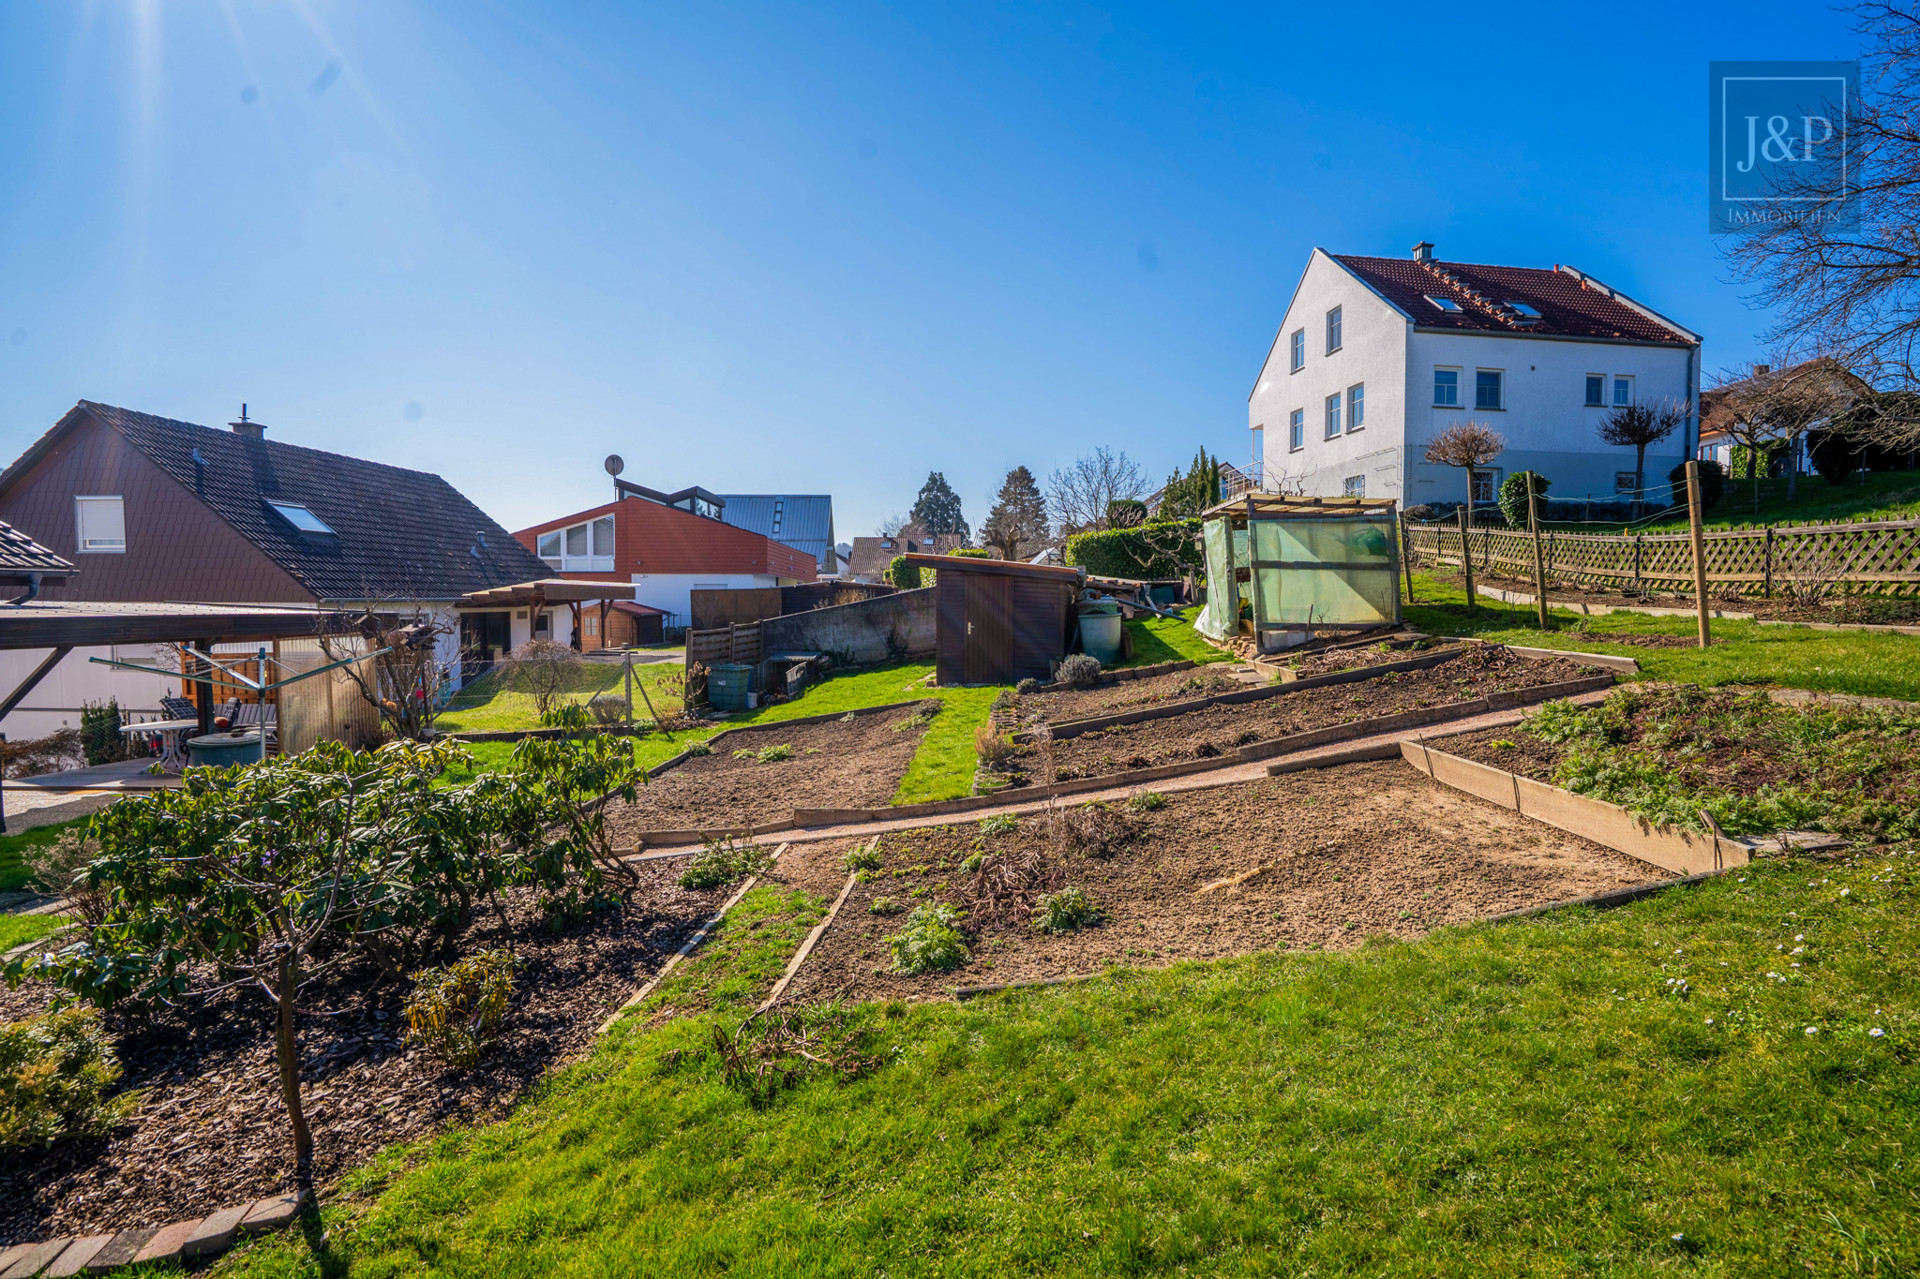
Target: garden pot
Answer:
[[219, 750]]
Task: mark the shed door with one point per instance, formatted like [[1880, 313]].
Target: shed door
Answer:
[[989, 628]]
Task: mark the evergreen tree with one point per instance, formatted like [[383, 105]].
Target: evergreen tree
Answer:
[[937, 509], [1017, 525], [1188, 495]]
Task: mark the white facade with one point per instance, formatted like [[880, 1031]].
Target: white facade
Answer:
[[1390, 362], [673, 592]]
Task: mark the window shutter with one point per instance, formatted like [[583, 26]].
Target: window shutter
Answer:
[[103, 523]]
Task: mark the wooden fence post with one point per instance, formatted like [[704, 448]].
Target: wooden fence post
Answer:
[[1767, 564], [1639, 584], [1699, 551], [1406, 555], [1539, 564], [1466, 555]]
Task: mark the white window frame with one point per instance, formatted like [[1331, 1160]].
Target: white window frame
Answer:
[[1594, 382], [1356, 407], [1332, 420], [1438, 369], [556, 554], [1500, 388], [1620, 382], [1493, 477], [1354, 486], [1297, 350], [1296, 430], [1335, 334], [103, 546]]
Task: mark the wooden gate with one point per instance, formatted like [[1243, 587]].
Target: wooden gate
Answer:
[[989, 648]]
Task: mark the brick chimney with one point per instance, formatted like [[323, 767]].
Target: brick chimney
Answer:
[[1760, 370], [247, 427], [1423, 251]]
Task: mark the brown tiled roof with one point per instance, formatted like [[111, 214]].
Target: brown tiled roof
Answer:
[[1569, 304], [20, 555], [872, 555], [397, 534]]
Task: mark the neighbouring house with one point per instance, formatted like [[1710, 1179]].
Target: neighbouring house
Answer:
[[1717, 442], [870, 556], [667, 546], [153, 509], [803, 521], [1377, 355]]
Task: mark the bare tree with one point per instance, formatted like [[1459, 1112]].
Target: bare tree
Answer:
[[1639, 427], [543, 670], [1078, 496], [1802, 398], [1469, 446], [1740, 402], [892, 525], [404, 683], [1854, 290]]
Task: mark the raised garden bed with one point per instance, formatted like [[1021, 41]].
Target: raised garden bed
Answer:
[[853, 760], [210, 1131], [1314, 859], [1220, 728]]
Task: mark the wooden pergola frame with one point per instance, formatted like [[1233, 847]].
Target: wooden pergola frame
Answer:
[[1241, 512]]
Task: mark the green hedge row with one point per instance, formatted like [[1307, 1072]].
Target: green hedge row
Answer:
[[1163, 548]]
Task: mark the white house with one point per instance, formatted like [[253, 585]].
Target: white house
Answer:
[[1378, 355]]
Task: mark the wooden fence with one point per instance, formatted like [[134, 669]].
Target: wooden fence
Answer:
[[727, 644], [1878, 557]]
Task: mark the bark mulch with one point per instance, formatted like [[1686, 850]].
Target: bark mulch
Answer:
[[851, 763], [1336, 855], [211, 1131], [1202, 734]]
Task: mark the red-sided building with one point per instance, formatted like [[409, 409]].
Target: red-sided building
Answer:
[[666, 551]]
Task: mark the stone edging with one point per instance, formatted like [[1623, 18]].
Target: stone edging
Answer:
[[198, 1238]]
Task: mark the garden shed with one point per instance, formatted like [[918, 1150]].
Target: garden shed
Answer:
[[1000, 621], [1281, 568]]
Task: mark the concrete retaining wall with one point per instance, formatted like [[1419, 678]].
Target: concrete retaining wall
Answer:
[[862, 634]]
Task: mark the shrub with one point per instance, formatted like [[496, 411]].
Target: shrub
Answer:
[[1147, 801], [58, 750], [724, 862], [1834, 455], [994, 749], [570, 716], [697, 749], [1064, 911], [1000, 824], [972, 552], [862, 857], [1004, 700], [608, 708], [1713, 483], [101, 741], [1158, 548], [775, 754], [908, 577], [1095, 830], [543, 669], [1513, 497], [930, 942], [60, 867], [453, 1011], [972, 863], [1079, 670], [921, 717], [1027, 685], [55, 1071], [884, 906]]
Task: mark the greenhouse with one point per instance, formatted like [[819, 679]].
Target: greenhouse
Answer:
[[1280, 569]]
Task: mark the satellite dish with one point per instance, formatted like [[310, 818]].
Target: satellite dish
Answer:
[[614, 465]]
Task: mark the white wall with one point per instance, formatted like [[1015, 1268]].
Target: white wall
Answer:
[[56, 700], [1373, 353], [673, 591], [1545, 421]]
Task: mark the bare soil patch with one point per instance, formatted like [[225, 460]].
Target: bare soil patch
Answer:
[[847, 763], [1202, 734], [1107, 699], [1329, 857], [211, 1131]]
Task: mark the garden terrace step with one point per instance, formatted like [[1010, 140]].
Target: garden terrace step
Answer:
[[201, 1237]]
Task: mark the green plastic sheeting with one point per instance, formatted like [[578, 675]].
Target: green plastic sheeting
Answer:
[[1343, 573], [1217, 620]]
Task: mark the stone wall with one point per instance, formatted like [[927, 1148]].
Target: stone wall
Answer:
[[863, 634]]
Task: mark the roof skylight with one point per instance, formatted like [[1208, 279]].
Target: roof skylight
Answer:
[[300, 517], [1523, 309], [1445, 304]]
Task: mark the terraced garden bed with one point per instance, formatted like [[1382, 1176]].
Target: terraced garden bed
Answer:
[[1311, 860], [1205, 733]]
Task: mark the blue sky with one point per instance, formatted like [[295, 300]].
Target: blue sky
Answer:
[[800, 248]]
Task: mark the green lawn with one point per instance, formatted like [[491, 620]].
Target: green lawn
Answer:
[[1883, 495], [14, 848], [1534, 1097], [1872, 664], [493, 704], [1162, 639], [16, 930]]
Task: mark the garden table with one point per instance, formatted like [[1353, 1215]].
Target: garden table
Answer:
[[171, 732]]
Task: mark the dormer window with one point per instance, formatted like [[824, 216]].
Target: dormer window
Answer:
[[301, 518], [1445, 304], [1523, 310]]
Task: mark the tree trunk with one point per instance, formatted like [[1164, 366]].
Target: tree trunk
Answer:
[[287, 983], [1793, 467], [1639, 479]]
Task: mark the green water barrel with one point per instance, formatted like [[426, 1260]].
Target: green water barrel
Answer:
[[727, 686], [1100, 630], [221, 750]]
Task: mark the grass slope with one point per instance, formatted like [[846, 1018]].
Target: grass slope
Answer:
[[17, 930], [1533, 1097], [14, 849], [1162, 639], [490, 705], [1879, 495], [1867, 663]]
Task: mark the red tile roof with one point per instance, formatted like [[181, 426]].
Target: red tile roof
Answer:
[[1570, 305]]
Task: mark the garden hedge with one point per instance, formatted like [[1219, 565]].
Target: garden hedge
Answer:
[[1162, 548]]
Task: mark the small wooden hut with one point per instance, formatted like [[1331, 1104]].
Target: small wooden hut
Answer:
[[999, 621]]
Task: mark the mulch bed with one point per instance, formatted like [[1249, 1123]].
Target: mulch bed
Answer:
[[1202, 734], [1108, 699], [1333, 661], [211, 1131], [1347, 853], [850, 763]]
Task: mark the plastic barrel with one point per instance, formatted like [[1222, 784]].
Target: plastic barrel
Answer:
[[220, 750], [1100, 636], [727, 686]]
